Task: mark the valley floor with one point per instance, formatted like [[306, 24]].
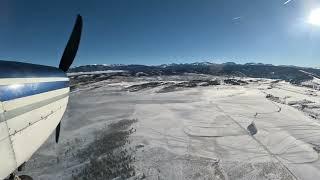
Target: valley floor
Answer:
[[213, 132]]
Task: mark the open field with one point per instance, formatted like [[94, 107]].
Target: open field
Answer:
[[177, 129]]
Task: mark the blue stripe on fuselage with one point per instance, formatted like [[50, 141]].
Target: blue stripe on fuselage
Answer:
[[10, 69], [14, 91]]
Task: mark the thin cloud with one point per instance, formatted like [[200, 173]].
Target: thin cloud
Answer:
[[288, 1]]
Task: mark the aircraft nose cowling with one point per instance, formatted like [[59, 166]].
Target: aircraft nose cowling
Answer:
[[10, 69], [33, 99]]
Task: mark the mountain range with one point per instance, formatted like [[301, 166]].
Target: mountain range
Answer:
[[291, 74]]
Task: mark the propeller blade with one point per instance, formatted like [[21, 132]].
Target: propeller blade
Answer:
[[72, 46], [69, 54], [58, 132]]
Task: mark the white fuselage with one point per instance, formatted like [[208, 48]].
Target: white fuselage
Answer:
[[30, 110]]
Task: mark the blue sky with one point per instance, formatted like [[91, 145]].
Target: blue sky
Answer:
[[162, 31]]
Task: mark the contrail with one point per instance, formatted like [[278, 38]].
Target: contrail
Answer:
[[287, 2], [236, 18]]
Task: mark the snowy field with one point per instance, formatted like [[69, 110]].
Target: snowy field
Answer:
[[199, 132]]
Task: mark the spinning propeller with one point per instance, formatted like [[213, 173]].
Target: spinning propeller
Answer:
[[69, 54]]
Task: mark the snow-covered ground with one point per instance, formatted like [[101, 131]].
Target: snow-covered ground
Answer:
[[191, 133]]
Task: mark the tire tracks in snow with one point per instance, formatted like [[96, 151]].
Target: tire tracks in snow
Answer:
[[258, 141]]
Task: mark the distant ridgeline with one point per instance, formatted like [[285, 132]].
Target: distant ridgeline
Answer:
[[291, 74]]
